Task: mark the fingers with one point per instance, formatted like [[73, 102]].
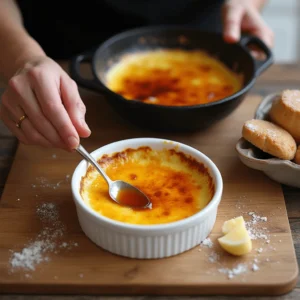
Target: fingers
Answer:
[[263, 31], [32, 136], [232, 19], [26, 133], [242, 16], [21, 95], [11, 125], [50, 99], [255, 24], [47, 91], [74, 105]]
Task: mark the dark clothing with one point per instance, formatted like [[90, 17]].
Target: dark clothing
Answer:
[[65, 28]]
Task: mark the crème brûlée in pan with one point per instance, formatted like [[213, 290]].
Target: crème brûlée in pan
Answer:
[[177, 185], [172, 77]]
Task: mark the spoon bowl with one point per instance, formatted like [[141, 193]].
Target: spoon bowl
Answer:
[[120, 191]]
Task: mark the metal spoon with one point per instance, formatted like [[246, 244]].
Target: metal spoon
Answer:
[[115, 187]]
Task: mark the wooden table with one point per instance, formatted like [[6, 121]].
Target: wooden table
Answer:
[[278, 77]]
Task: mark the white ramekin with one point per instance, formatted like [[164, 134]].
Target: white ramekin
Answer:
[[151, 241]]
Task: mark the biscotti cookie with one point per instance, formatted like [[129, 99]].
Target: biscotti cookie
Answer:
[[270, 138], [285, 112]]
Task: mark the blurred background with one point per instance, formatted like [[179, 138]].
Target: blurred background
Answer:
[[283, 16]]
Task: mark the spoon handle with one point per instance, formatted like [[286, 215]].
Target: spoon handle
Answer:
[[80, 149]]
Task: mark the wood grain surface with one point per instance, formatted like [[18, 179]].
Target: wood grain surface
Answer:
[[276, 78], [88, 269]]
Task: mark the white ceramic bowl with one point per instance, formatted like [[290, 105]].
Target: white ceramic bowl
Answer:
[[282, 171], [147, 241]]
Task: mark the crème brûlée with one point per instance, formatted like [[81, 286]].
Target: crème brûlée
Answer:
[[177, 185], [173, 77]]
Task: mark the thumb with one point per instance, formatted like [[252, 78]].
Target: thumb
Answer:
[[232, 19]]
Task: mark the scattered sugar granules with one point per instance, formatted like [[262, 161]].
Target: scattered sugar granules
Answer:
[[255, 267], [256, 218], [64, 245], [47, 212], [207, 242], [256, 233], [46, 242], [31, 255], [44, 182], [214, 257], [239, 269]]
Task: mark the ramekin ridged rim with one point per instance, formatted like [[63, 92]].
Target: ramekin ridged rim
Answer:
[[148, 141]]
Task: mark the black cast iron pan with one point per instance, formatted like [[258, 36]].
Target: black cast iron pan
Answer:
[[172, 118]]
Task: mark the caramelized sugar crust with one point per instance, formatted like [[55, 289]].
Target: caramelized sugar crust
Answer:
[[172, 77], [177, 185]]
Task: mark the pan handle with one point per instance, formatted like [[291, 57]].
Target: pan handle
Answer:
[[260, 65], [85, 57]]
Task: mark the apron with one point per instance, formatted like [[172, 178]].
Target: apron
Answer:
[[66, 28]]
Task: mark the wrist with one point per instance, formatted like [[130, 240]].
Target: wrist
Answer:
[[27, 58], [26, 61], [22, 50]]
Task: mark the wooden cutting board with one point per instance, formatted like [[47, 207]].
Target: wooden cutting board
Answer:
[[39, 179]]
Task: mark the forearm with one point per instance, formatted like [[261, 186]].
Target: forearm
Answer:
[[17, 46]]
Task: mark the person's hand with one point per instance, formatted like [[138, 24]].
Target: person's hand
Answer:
[[55, 114], [244, 16]]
